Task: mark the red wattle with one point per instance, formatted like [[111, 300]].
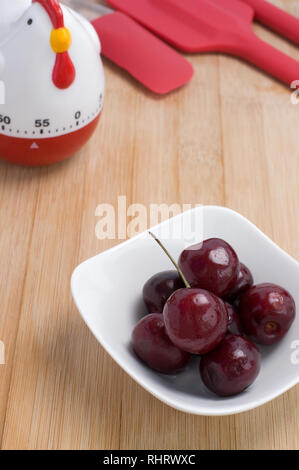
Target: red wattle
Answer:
[[64, 72]]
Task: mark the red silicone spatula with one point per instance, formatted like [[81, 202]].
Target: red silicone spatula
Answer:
[[276, 19], [126, 43], [211, 25]]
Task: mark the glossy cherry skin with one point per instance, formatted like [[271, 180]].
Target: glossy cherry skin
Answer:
[[267, 311], [195, 320], [153, 346], [212, 265], [231, 367], [234, 322], [243, 282], [159, 288]]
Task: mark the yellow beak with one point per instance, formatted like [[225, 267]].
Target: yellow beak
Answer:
[[60, 40]]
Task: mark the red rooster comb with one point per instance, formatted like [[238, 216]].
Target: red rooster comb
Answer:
[[54, 11], [64, 71]]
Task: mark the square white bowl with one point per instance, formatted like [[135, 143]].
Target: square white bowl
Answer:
[[107, 290]]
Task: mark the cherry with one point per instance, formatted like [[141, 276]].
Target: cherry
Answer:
[[267, 311], [159, 287], [212, 265], [234, 323], [195, 319], [231, 367], [243, 282], [236, 304], [153, 346]]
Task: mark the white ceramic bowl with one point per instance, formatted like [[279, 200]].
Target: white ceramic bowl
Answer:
[[107, 290]]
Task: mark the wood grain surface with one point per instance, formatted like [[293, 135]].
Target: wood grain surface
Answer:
[[229, 138]]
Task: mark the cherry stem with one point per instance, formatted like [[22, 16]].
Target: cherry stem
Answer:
[[172, 260]]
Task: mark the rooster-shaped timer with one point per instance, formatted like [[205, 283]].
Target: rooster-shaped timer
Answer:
[[52, 81]]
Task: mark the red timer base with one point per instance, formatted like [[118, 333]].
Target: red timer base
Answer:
[[40, 152]]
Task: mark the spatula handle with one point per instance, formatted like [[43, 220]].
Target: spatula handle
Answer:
[[269, 59], [276, 19]]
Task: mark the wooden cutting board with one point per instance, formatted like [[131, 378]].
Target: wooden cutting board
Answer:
[[229, 138]]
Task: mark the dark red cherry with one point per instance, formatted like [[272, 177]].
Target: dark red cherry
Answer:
[[212, 265], [159, 288], [234, 323], [153, 346], [243, 282], [195, 320], [266, 311], [231, 367], [236, 304]]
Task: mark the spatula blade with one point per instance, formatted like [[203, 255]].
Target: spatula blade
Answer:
[[240, 10], [153, 63], [189, 25]]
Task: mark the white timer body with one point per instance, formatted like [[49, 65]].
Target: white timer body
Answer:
[[38, 111]]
